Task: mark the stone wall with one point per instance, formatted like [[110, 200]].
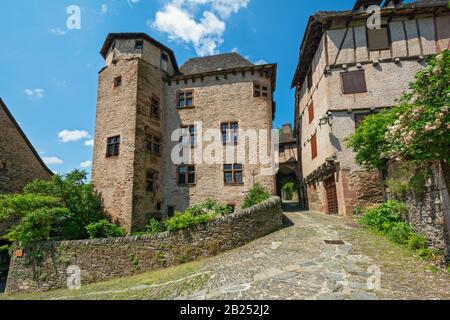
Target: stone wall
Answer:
[[428, 212], [19, 161], [105, 259]]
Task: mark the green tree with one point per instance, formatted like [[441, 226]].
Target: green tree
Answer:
[[257, 194]]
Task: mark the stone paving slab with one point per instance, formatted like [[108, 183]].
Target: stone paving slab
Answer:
[[296, 263]]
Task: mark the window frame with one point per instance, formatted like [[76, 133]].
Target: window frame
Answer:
[[155, 99], [152, 140], [115, 145], [191, 136], [187, 174], [151, 177], [233, 172], [184, 93], [260, 91], [310, 79], [231, 134]]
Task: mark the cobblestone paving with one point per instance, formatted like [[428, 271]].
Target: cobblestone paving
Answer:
[[296, 263]]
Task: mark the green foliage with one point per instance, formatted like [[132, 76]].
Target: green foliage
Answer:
[[428, 253], [417, 241], [257, 194], [104, 229], [19, 205], [210, 206], [154, 226], [417, 129], [77, 196], [289, 189], [369, 142], [35, 226], [399, 232], [187, 219], [381, 218]]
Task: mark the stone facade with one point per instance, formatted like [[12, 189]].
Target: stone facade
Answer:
[[19, 161], [326, 116], [101, 260], [139, 69]]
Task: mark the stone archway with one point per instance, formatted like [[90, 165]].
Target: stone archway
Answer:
[[286, 174]]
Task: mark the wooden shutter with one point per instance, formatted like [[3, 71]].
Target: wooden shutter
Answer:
[[314, 146], [378, 39], [311, 111], [354, 82]]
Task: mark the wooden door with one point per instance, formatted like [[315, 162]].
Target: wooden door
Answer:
[[332, 201]]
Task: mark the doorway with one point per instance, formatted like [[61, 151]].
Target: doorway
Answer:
[[331, 193], [4, 265]]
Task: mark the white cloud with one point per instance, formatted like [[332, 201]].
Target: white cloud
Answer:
[[86, 164], [177, 18], [66, 136], [58, 31], [89, 143], [35, 94], [260, 62], [104, 9], [52, 160]]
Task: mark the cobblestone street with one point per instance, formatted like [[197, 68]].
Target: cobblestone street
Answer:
[[296, 263]]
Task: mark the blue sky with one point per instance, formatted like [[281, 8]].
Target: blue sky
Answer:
[[48, 74]]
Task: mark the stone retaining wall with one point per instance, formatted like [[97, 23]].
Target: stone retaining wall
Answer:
[[45, 266]]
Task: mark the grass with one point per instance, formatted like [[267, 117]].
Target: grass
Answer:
[[161, 284]]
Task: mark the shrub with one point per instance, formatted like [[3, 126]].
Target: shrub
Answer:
[[381, 218], [104, 229], [399, 232], [210, 206], [417, 241], [35, 226], [257, 194], [289, 189], [154, 227], [77, 196], [428, 253], [187, 219]]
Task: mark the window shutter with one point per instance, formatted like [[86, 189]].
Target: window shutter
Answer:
[[314, 146], [311, 111], [354, 82], [378, 39]]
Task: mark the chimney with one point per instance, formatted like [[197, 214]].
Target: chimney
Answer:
[[287, 128]]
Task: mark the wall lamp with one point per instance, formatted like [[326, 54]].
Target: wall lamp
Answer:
[[326, 119]]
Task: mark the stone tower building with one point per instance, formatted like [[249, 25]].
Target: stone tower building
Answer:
[[347, 71], [143, 98]]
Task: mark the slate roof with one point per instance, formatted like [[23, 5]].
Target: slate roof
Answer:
[[214, 63]]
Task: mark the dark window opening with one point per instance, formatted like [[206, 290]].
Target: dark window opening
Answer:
[[170, 211], [158, 206], [139, 45], [113, 147], [310, 79], [3, 167], [117, 81], [233, 174], [186, 175], [155, 107], [153, 144], [150, 182], [164, 62], [354, 82]]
